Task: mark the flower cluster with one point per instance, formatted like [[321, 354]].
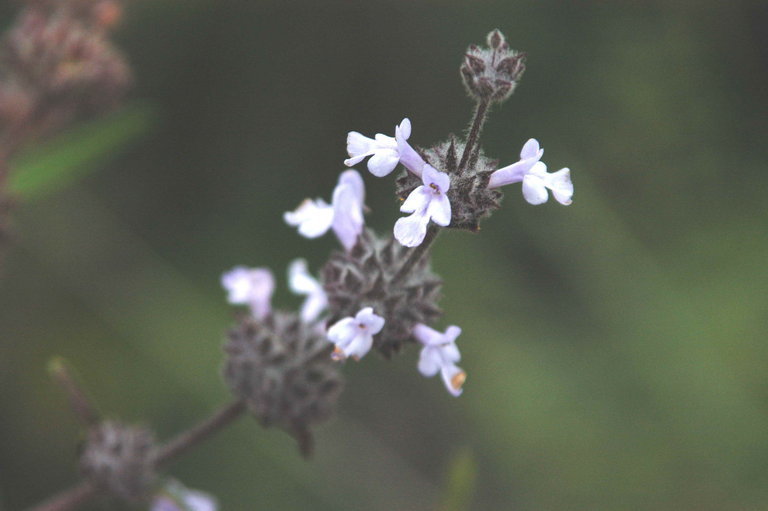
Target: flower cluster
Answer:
[[279, 363], [379, 292]]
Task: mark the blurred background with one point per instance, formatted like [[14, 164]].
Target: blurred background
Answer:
[[616, 348]]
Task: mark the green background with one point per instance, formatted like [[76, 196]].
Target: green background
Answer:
[[616, 349]]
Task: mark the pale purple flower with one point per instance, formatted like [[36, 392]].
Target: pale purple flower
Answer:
[[312, 217], [345, 213], [385, 151], [529, 155], [353, 337], [534, 176], [176, 497], [440, 354], [250, 286], [302, 283], [427, 202], [537, 180]]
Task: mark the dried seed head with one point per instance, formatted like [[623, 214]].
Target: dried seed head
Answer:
[[366, 277], [491, 74], [64, 62], [282, 368], [471, 199], [119, 460]]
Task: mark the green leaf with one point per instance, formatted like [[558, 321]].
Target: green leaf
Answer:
[[48, 167], [460, 482]]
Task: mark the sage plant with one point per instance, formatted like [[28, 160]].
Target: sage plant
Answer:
[[377, 292]]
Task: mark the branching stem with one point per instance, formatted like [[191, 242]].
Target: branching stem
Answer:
[[84, 491]]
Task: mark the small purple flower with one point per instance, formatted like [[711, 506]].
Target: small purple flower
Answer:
[[176, 497], [345, 213], [250, 286], [353, 337], [302, 283], [427, 202], [536, 182], [534, 176], [441, 354], [385, 152], [529, 155]]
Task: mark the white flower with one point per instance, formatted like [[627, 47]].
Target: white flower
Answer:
[[312, 217], [529, 155], [537, 180], [302, 283], [353, 337], [250, 286], [440, 353], [534, 176], [385, 152], [345, 213], [176, 497], [427, 202]]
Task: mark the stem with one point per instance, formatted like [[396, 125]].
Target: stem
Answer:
[[474, 133], [68, 499], [416, 254], [78, 399], [78, 495], [193, 436]]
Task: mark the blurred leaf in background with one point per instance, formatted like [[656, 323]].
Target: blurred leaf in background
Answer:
[[45, 168]]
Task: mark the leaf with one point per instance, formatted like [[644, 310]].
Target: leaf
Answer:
[[460, 482], [48, 167]]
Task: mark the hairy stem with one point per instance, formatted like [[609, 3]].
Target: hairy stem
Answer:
[[78, 399], [69, 499], [481, 112], [82, 493], [416, 254]]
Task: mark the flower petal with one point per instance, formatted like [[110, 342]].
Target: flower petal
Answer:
[[511, 173], [411, 230], [449, 353], [353, 179], [360, 346], [429, 361], [418, 200], [383, 162], [452, 333], [453, 378], [531, 149], [358, 145], [342, 332], [313, 218], [405, 128], [407, 154], [372, 321], [426, 335], [561, 186], [299, 279], [347, 219], [439, 210], [432, 176], [534, 190], [313, 306]]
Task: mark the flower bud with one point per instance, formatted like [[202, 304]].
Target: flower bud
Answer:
[[491, 74], [119, 460], [495, 39]]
